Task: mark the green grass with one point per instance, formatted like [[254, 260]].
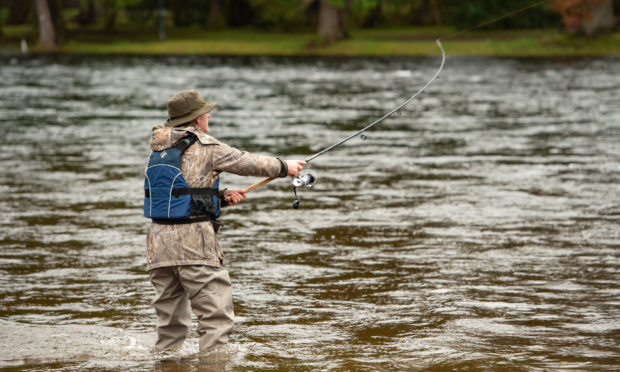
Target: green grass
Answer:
[[17, 32], [195, 47], [374, 42]]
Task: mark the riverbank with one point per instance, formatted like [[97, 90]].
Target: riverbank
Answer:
[[374, 42]]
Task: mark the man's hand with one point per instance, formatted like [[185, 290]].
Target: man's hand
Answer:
[[294, 167], [234, 196]]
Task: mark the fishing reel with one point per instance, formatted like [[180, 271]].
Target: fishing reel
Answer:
[[305, 179]]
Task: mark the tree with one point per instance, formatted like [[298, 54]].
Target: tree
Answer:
[[331, 27], [108, 12], [588, 16], [56, 9], [47, 34], [464, 14], [282, 15]]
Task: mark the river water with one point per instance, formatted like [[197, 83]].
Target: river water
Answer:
[[478, 230]]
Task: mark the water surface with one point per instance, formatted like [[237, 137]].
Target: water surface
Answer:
[[478, 230]]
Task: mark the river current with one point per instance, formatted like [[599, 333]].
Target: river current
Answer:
[[477, 230]]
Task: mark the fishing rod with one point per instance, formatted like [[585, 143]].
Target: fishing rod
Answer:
[[395, 110], [307, 178]]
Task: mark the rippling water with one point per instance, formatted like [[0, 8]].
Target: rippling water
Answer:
[[478, 230]]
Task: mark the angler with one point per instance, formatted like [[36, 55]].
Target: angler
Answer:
[[184, 257], [185, 260]]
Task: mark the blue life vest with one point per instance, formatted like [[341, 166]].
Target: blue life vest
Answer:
[[167, 197]]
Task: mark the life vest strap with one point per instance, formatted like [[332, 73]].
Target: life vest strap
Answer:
[[183, 221], [190, 191], [186, 142], [180, 221]]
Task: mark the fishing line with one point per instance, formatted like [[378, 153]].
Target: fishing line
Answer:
[[443, 59], [308, 178], [492, 20], [397, 109]]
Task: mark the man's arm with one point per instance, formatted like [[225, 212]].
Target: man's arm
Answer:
[[243, 163]]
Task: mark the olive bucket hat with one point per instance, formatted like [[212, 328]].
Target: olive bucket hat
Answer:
[[186, 106]]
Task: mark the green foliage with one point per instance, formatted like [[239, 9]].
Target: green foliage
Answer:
[[301, 15], [469, 13], [188, 12], [279, 14], [4, 13]]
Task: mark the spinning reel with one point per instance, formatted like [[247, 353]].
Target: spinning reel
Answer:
[[306, 179]]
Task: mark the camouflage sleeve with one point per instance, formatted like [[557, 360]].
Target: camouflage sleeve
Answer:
[[231, 160]]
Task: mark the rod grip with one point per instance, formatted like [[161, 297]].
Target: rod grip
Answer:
[[255, 186], [258, 184]]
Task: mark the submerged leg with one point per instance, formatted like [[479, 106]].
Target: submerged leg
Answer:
[[172, 308], [210, 294]]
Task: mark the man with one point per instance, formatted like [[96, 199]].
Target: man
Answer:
[[185, 260]]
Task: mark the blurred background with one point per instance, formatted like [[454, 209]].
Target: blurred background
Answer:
[[305, 26]]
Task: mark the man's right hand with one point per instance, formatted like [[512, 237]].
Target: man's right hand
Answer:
[[234, 196], [294, 167]]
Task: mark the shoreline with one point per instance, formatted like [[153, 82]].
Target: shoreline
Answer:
[[408, 42]]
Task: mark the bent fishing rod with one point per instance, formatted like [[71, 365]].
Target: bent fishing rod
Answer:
[[307, 178]]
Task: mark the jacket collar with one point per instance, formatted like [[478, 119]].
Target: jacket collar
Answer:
[[163, 137]]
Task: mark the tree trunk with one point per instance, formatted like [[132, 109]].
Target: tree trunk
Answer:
[[56, 8], [600, 19], [216, 19], [47, 35], [331, 27]]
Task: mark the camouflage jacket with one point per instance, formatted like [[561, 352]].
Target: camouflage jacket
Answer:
[[201, 164]]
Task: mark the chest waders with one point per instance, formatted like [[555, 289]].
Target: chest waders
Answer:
[[167, 197]]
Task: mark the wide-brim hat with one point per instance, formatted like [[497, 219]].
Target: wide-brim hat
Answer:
[[186, 106]]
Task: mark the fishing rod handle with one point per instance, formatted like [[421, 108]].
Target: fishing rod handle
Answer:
[[255, 186], [258, 184]]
